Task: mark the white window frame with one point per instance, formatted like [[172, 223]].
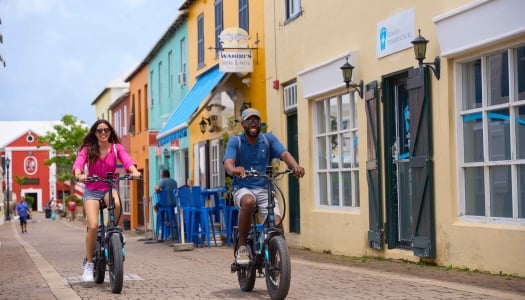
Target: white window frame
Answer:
[[330, 170], [511, 105], [292, 9], [124, 195], [290, 97], [215, 163]]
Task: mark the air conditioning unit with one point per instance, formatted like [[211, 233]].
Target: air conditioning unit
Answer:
[[182, 78]]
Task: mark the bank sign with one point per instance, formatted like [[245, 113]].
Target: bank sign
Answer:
[[235, 55], [395, 33]]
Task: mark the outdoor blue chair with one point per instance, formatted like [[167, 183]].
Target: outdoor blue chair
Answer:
[[166, 218], [231, 219], [201, 219], [186, 206]]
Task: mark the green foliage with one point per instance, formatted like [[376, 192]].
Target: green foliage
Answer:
[[73, 197], [66, 140], [29, 200], [20, 180]]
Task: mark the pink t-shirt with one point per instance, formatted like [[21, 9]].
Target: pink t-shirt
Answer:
[[103, 165]]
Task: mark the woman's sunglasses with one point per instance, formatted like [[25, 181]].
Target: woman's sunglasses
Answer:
[[105, 130]]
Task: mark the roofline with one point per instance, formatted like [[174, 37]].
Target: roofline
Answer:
[[169, 32]]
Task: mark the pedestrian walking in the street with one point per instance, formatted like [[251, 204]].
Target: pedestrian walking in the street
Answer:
[[53, 207], [72, 208], [60, 210], [100, 151], [253, 149], [23, 214]]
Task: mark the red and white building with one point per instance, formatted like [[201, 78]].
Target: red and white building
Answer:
[[19, 143]]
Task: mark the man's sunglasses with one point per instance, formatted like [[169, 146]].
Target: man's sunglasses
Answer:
[[105, 130], [251, 122]]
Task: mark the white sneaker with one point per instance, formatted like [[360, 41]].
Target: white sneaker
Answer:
[[88, 273], [242, 258]]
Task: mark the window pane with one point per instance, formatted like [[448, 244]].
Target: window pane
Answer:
[[333, 114], [473, 137], [347, 148], [521, 191], [501, 193], [347, 188], [324, 155], [474, 192], [499, 135], [472, 85], [335, 153], [520, 62], [346, 118], [321, 117], [498, 81], [334, 193], [520, 132], [323, 189], [357, 191]]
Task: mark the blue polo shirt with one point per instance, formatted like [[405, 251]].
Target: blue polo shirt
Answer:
[[256, 156], [22, 209]]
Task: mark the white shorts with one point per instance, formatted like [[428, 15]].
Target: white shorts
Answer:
[[261, 198]]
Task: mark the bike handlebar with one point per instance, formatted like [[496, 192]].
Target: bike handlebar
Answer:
[[111, 178], [255, 173]]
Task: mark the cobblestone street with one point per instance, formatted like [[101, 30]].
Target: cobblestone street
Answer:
[[46, 263]]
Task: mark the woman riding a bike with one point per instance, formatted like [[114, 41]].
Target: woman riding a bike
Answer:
[[100, 151], [253, 150]]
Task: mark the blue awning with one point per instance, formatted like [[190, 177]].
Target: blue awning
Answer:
[[177, 124]]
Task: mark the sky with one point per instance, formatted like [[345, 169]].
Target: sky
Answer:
[[61, 54]]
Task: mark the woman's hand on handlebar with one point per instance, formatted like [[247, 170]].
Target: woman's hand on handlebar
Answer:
[[81, 177], [136, 174]]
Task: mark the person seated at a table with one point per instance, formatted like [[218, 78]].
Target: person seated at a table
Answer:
[[169, 184]]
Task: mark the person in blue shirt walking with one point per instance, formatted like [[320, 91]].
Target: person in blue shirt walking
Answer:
[[253, 149], [23, 212]]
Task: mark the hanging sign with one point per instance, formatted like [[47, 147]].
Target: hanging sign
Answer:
[[235, 55]]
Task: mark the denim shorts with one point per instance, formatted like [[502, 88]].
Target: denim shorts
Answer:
[[93, 195]]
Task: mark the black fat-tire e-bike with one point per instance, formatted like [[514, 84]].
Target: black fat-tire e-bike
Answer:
[[109, 249], [266, 245]]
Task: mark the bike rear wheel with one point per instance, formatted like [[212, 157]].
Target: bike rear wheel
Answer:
[[99, 268], [116, 264], [278, 268]]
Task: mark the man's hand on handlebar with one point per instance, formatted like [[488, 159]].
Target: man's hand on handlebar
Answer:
[[298, 171], [239, 172]]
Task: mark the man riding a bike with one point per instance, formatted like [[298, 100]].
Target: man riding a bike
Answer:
[[253, 150]]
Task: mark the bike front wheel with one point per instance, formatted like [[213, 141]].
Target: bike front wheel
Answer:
[[116, 264], [246, 277], [278, 268]]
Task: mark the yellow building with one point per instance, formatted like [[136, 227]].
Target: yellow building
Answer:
[[218, 92], [415, 164]]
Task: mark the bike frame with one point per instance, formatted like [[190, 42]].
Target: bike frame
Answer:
[[267, 228], [112, 226], [109, 249]]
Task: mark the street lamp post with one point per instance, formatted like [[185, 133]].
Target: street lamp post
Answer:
[[8, 192]]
